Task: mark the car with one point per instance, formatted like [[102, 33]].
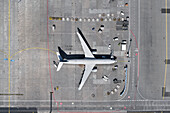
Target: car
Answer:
[[63, 19], [116, 66], [80, 19], [102, 27], [53, 27], [127, 54], [124, 27], [124, 41], [68, 19], [112, 91], [105, 78], [109, 46], [115, 81], [100, 31], [117, 86], [126, 4], [97, 19], [123, 19], [122, 13], [93, 28], [115, 89], [127, 18], [115, 38]]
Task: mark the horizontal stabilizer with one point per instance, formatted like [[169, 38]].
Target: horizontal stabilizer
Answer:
[[59, 56], [59, 66]]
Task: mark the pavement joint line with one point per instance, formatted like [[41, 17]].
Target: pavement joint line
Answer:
[[166, 52], [9, 61], [138, 65], [70, 101], [11, 94], [139, 33], [32, 48], [4, 52]]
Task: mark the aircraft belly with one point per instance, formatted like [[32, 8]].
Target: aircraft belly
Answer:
[[90, 61]]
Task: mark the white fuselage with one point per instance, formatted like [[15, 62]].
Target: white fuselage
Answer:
[[90, 61]]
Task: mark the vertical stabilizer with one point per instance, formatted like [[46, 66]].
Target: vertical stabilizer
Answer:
[[62, 53]]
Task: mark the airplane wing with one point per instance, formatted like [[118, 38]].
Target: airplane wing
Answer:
[[86, 49], [87, 71]]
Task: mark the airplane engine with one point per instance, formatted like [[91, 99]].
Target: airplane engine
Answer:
[[94, 69]]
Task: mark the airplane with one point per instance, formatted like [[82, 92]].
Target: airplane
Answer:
[[88, 59]]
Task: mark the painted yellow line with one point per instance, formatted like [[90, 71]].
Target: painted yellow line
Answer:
[[32, 48], [4, 52], [166, 51], [11, 94], [9, 60]]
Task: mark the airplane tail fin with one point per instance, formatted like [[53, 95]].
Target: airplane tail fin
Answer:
[[62, 53]]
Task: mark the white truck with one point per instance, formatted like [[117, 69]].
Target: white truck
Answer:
[[123, 45]]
